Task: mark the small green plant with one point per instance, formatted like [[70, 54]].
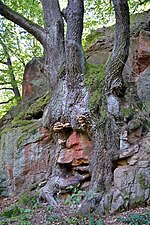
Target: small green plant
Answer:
[[136, 219], [54, 219], [75, 198], [28, 200], [73, 220]]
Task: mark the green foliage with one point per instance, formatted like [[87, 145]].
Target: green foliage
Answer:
[[21, 47], [75, 198], [128, 112], [136, 219], [20, 212], [16, 213], [100, 12], [28, 200]]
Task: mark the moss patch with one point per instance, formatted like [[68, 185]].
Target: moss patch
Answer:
[[27, 130], [36, 109], [94, 79], [142, 181]]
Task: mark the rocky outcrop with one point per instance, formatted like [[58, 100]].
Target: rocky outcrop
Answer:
[[34, 80], [24, 157]]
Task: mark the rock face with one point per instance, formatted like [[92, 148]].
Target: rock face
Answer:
[[78, 150], [24, 157], [34, 80], [52, 160]]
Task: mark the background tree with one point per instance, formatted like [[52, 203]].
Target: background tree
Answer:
[[21, 47]]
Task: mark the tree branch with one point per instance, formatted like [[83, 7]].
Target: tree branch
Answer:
[[113, 79], [34, 29], [7, 101], [5, 88]]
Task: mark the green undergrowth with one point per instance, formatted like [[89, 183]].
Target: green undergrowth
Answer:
[[24, 210], [94, 79], [20, 212], [136, 219]]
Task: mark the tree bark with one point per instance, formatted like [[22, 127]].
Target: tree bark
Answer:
[[54, 43], [74, 51], [114, 82]]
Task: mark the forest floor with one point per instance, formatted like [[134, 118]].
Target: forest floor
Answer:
[[31, 213]]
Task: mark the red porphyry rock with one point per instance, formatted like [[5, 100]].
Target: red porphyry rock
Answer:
[[78, 149], [34, 81], [143, 54]]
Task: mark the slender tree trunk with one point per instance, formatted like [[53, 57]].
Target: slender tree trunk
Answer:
[[74, 51], [54, 47], [13, 81]]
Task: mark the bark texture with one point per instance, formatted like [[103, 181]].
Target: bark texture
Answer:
[[74, 52], [54, 42]]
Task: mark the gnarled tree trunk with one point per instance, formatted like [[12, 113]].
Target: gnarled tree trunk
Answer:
[[70, 99]]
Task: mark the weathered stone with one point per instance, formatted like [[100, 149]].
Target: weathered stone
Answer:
[[133, 160], [135, 135], [117, 202], [144, 50], [128, 151], [65, 156], [124, 145], [24, 157], [78, 150], [143, 88], [34, 80], [124, 177], [134, 182]]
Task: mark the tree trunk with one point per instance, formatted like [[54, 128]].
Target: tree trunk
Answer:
[[106, 141], [70, 98], [74, 51], [54, 47]]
